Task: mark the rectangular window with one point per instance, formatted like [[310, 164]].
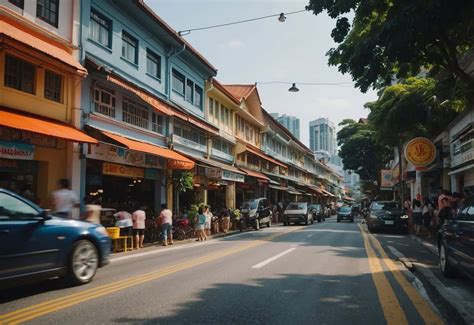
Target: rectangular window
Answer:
[[153, 64], [129, 47], [211, 107], [157, 123], [104, 100], [47, 10], [101, 29], [18, 3], [216, 111], [53, 83], [19, 74], [134, 113], [189, 91], [178, 82], [198, 97], [222, 114]]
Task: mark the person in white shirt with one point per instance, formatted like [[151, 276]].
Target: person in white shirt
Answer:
[[124, 222], [64, 200]]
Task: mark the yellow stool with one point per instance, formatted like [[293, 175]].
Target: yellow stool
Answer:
[[123, 240]]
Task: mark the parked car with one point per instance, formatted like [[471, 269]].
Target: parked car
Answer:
[[38, 245], [386, 215], [298, 213], [456, 243], [345, 213], [318, 212], [256, 213]]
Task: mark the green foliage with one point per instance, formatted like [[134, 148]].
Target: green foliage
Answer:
[[410, 109], [235, 212], [193, 212], [359, 150], [399, 38], [183, 181]]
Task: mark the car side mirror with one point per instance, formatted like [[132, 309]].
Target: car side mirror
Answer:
[[44, 215]]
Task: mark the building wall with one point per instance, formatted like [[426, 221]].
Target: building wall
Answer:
[[65, 16]]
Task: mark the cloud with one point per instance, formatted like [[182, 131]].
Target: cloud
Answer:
[[233, 44]]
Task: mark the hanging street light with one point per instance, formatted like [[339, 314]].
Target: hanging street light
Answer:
[[282, 18], [293, 88]]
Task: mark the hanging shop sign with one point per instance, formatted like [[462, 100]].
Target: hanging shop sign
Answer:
[[122, 170], [420, 152], [230, 176], [31, 138], [13, 150], [179, 164], [110, 153], [386, 179], [214, 172]]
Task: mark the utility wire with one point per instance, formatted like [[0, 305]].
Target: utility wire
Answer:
[[188, 31], [305, 83]]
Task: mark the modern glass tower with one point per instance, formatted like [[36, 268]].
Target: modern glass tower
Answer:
[[292, 123], [322, 136]]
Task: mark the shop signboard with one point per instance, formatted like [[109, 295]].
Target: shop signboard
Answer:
[[14, 150], [121, 155], [122, 170], [32, 138], [420, 152], [386, 179], [230, 176], [215, 173]]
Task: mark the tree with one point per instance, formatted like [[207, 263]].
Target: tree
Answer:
[[359, 150], [182, 181], [399, 38], [408, 110]]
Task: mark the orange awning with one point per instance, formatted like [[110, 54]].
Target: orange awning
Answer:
[[264, 156], [43, 126], [255, 174], [28, 38], [327, 193], [176, 161]]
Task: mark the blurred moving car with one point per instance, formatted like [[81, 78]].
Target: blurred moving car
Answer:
[[37, 245], [255, 213], [345, 213], [386, 215], [298, 213], [456, 243], [318, 212]]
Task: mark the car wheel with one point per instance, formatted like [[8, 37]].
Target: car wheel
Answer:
[[338, 220], [257, 224], [444, 263], [306, 221], [269, 223], [312, 221], [324, 219], [352, 220], [83, 262]]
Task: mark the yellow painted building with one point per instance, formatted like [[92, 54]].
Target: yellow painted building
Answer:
[[39, 88]]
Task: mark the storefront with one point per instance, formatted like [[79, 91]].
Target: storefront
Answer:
[[34, 154], [126, 174], [255, 186]]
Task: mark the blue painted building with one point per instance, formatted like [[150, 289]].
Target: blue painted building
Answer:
[[144, 95]]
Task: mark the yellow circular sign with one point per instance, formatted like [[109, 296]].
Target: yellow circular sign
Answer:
[[420, 152]]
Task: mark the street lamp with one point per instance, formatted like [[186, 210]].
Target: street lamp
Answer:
[[293, 88], [282, 18]]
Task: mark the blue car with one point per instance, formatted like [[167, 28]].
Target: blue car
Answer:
[[36, 245]]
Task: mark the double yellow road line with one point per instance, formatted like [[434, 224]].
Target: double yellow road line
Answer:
[[31, 312], [391, 307]]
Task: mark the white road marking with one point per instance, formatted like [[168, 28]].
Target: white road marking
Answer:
[[271, 259], [309, 235]]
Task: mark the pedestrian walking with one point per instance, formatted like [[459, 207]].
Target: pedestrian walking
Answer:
[[166, 225], [200, 225], [139, 217], [124, 222], [427, 214], [417, 214], [208, 215], [225, 219], [64, 200]]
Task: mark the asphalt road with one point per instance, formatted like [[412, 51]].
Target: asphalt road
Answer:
[[326, 273]]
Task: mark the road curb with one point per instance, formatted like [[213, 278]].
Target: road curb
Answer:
[[432, 248]]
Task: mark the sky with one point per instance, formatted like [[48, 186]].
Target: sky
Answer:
[[267, 51]]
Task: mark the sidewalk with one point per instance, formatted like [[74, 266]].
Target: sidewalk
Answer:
[[452, 296]]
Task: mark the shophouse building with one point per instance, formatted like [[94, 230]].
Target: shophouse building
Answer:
[[143, 100], [249, 124], [40, 78]]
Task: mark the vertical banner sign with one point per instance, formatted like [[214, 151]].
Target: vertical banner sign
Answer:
[[386, 179]]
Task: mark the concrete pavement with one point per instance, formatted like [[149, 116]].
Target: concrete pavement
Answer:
[[328, 273]]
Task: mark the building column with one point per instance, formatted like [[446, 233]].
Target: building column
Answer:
[[230, 196], [169, 189]]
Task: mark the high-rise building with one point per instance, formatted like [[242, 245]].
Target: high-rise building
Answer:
[[322, 136], [292, 123]]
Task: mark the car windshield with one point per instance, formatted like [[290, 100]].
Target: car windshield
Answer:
[[389, 206], [315, 206], [296, 206], [345, 209], [250, 205]]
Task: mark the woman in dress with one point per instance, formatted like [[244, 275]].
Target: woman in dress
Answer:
[[200, 224]]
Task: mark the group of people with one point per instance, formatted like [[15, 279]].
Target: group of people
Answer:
[[427, 215]]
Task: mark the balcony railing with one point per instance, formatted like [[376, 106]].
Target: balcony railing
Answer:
[[188, 143], [222, 155]]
